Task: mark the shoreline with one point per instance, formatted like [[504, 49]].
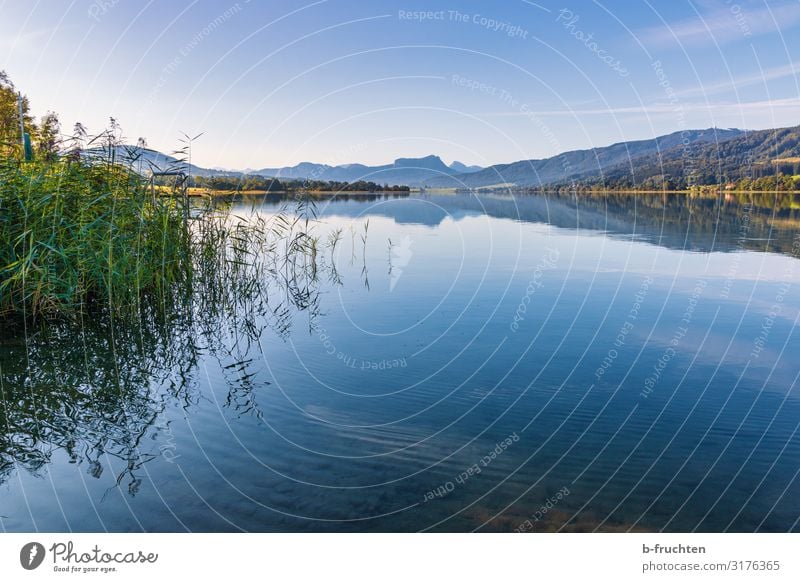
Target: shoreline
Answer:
[[609, 191], [198, 192]]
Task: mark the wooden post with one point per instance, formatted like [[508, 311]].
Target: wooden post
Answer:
[[21, 123]]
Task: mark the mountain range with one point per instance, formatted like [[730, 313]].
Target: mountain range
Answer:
[[747, 156], [403, 171], [581, 164], [703, 156]]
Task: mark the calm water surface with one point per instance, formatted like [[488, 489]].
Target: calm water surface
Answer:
[[465, 362]]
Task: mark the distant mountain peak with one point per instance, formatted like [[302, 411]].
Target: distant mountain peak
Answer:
[[431, 162], [462, 168]]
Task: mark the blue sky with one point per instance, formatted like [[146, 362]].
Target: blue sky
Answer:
[[275, 83]]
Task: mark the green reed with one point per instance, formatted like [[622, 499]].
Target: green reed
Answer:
[[75, 235], [80, 236]]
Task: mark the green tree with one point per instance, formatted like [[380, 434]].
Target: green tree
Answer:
[[9, 117]]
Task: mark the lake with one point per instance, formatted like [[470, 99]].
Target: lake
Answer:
[[460, 362]]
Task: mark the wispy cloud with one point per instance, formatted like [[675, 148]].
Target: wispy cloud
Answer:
[[662, 108], [721, 23], [722, 86]]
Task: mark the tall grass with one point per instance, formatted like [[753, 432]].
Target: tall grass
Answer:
[[85, 235], [77, 236]]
